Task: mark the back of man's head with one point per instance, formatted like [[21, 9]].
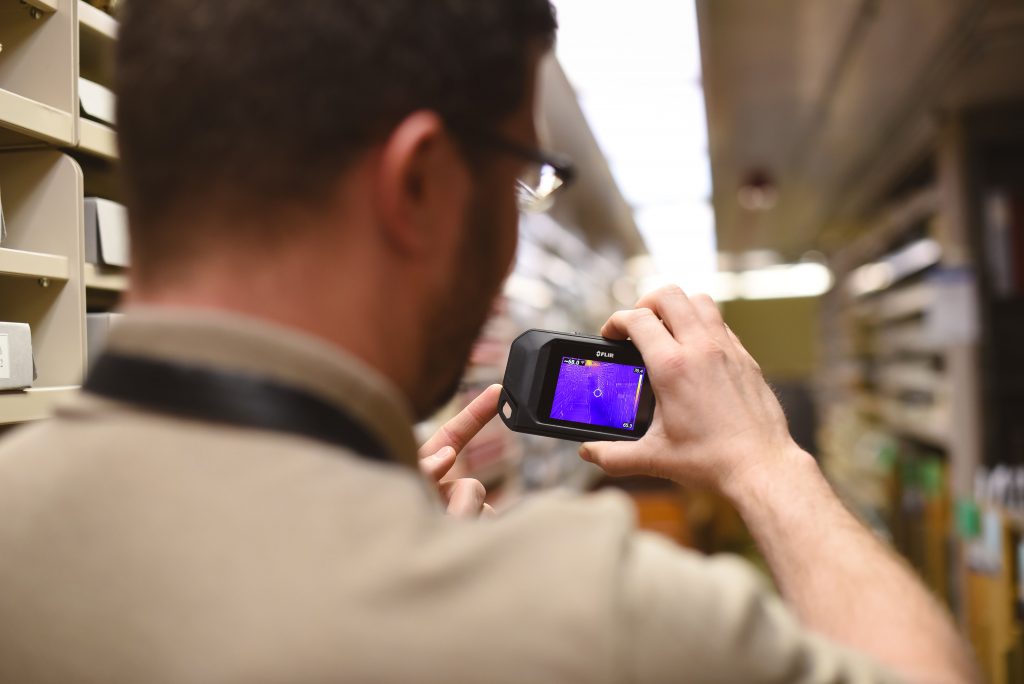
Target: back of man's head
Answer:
[[241, 108]]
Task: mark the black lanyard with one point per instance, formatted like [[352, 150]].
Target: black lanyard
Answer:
[[219, 396]]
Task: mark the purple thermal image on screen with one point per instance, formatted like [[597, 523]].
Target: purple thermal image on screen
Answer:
[[597, 393]]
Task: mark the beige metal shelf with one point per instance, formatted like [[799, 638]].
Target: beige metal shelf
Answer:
[[907, 301], [34, 265], [95, 279], [97, 139], [42, 274], [43, 192], [48, 6], [36, 119], [38, 77], [925, 424], [96, 22], [33, 404], [913, 376], [892, 222], [922, 433]]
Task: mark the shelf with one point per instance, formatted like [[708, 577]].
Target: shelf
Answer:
[[96, 21], [96, 279], [43, 190], [1013, 518], [896, 304], [921, 433], [918, 423], [912, 376], [907, 339], [97, 139], [34, 265], [893, 222], [33, 404], [48, 6], [894, 267], [36, 119]]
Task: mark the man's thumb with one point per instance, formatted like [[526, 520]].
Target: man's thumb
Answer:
[[615, 458]]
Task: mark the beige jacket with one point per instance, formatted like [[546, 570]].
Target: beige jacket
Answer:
[[140, 547]]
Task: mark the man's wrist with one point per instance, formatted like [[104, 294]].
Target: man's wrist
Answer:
[[766, 477]]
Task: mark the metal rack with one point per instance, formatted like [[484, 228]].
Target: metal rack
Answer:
[[44, 145]]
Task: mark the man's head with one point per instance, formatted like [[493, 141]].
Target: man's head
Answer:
[[337, 143]]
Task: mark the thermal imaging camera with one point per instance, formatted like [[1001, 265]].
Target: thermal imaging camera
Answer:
[[576, 387]]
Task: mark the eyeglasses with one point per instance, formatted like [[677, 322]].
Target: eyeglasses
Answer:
[[547, 173]]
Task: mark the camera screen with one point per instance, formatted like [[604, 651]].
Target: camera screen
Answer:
[[597, 393]]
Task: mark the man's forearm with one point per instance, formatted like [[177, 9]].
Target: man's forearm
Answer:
[[839, 579]]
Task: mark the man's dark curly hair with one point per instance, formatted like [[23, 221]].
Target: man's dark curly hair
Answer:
[[261, 103]]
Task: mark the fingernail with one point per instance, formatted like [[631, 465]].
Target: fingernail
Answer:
[[584, 453]]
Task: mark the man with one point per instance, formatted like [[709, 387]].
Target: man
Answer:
[[323, 204]]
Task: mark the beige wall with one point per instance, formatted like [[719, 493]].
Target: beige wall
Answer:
[[782, 334]]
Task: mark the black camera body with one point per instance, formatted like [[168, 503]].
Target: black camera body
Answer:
[[576, 387]]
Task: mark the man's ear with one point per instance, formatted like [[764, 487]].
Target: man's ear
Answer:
[[422, 185]]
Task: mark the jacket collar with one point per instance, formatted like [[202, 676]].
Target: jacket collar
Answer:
[[240, 344]]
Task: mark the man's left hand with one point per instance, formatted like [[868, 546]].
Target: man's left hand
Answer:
[[464, 497]]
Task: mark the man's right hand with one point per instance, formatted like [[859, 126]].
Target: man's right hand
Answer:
[[717, 423], [716, 420]]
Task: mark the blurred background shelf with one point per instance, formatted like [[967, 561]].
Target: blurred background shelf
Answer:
[[33, 265], [108, 281], [34, 404], [42, 203], [35, 119], [38, 72], [48, 6], [97, 139], [46, 46], [96, 23]]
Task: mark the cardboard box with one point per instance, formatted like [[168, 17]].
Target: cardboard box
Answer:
[[17, 370], [106, 233], [97, 328]]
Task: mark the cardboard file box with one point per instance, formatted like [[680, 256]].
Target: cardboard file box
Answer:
[[106, 233], [97, 327], [17, 370]]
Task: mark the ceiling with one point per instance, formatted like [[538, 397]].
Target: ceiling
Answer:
[[593, 203], [835, 98]]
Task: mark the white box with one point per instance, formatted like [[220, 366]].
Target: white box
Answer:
[[106, 233], [17, 370], [97, 328], [96, 102], [3, 225]]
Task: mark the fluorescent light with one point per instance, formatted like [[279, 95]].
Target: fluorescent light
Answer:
[[792, 281], [784, 282], [681, 237], [662, 33], [637, 72]]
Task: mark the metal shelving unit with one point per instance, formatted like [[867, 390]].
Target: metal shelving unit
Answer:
[[44, 281]]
